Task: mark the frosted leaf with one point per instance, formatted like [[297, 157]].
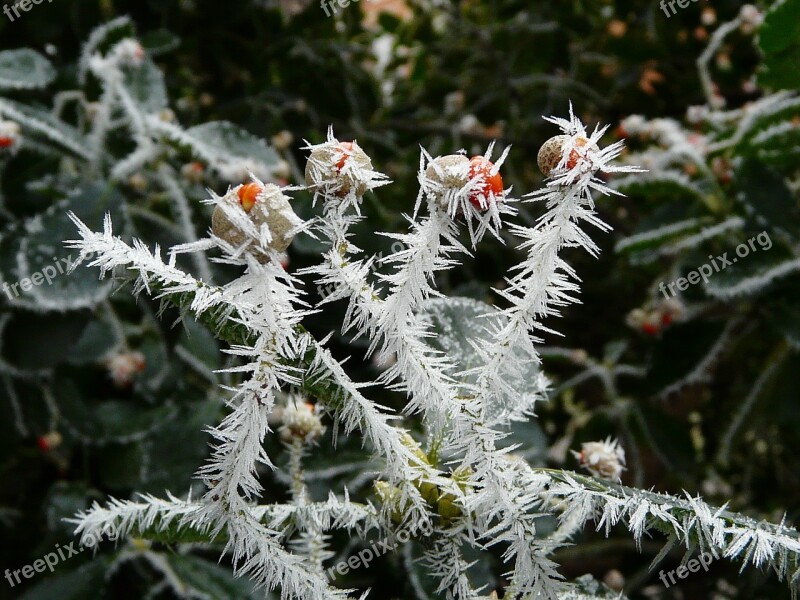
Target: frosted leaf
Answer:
[[230, 144], [749, 279], [42, 257], [456, 321], [653, 238], [24, 69], [145, 83], [40, 123]]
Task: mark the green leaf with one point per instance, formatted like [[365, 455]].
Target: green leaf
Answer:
[[145, 83], [65, 500], [779, 40], [667, 185], [680, 352], [210, 580], [781, 26], [109, 421], [766, 195], [121, 467], [33, 341], [38, 123], [198, 342], [43, 258], [25, 69], [668, 437], [86, 582], [175, 451], [670, 222], [159, 41], [227, 140], [531, 439], [97, 340], [753, 274]]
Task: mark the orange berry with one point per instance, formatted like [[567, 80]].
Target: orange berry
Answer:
[[493, 183], [248, 194], [346, 148], [574, 157]]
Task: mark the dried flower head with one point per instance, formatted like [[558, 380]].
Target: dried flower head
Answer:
[[49, 441], [122, 367], [750, 17], [299, 422], [10, 136], [466, 188], [341, 169], [193, 172], [565, 153], [604, 459], [255, 214]]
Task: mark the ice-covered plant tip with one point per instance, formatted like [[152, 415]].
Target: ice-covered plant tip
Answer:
[[446, 479]]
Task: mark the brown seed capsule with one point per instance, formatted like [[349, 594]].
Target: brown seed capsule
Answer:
[[451, 171], [337, 167], [553, 149], [550, 154], [270, 206]]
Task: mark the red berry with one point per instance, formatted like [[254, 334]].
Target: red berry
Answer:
[[574, 156], [493, 183], [248, 194], [666, 319], [49, 441], [650, 328], [346, 148], [6, 142]]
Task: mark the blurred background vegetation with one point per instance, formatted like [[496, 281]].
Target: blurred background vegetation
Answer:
[[396, 75]]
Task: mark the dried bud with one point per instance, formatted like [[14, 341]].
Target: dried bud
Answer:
[[445, 173], [615, 580], [340, 168], [193, 172], [49, 441], [138, 182], [751, 18], [553, 151], [300, 422], [282, 140], [602, 459], [10, 137], [264, 204], [123, 366]]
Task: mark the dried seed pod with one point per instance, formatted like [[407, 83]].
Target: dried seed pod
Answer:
[[264, 205], [552, 151], [339, 168], [450, 171]]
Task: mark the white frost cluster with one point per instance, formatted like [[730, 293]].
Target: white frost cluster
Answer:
[[476, 494]]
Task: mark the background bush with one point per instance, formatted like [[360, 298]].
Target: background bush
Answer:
[[446, 76]]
